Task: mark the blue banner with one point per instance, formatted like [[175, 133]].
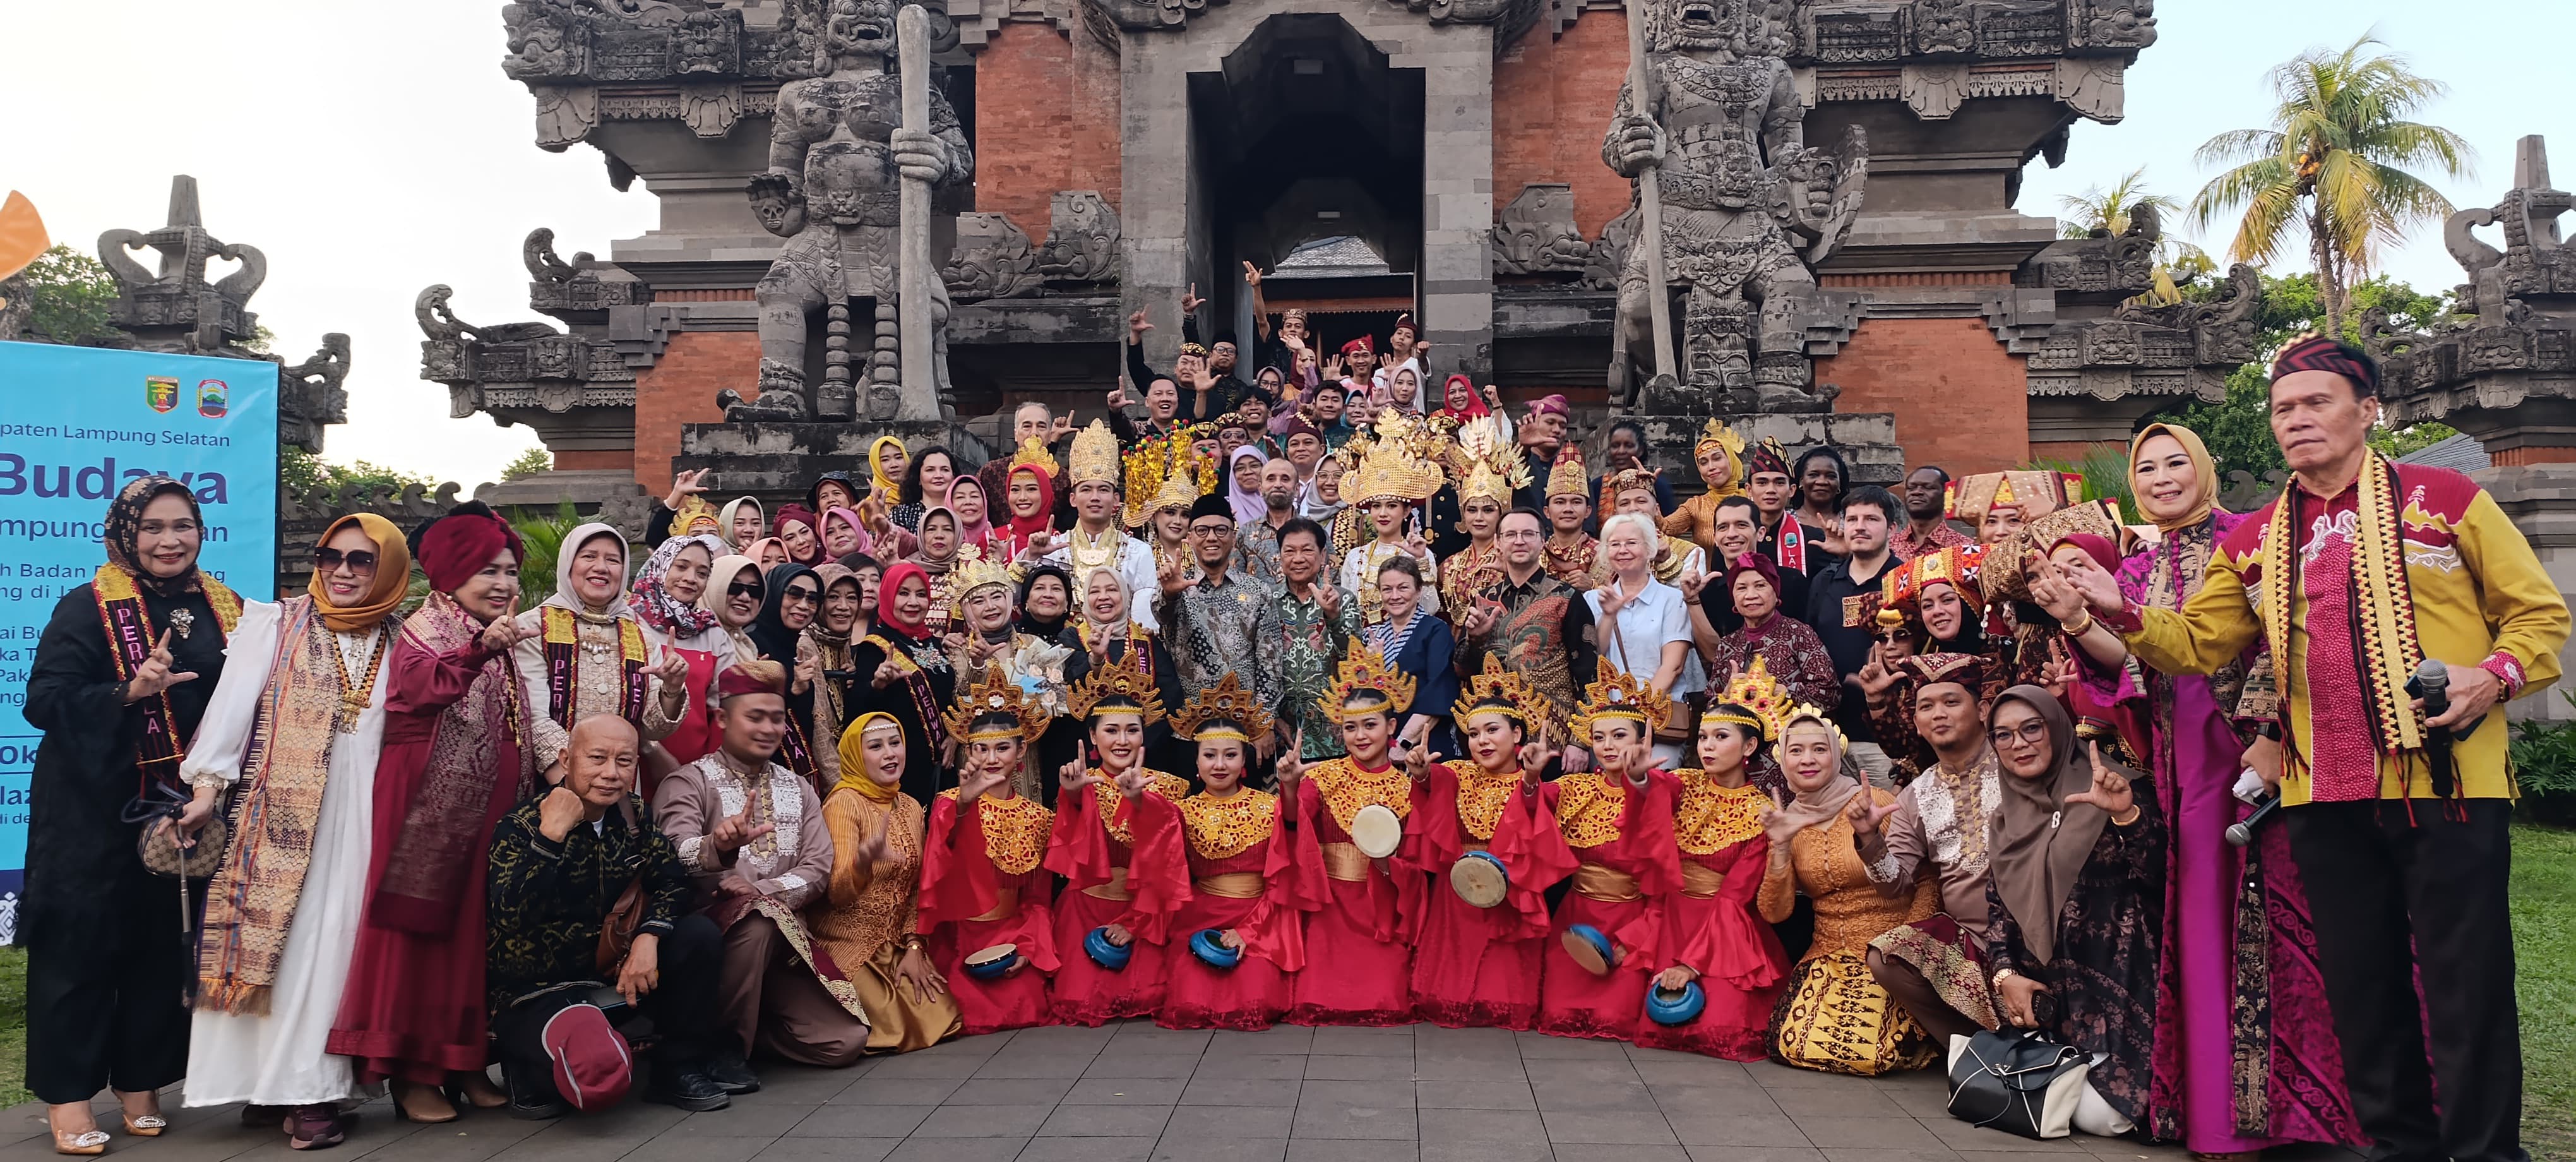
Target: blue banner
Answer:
[[75, 424]]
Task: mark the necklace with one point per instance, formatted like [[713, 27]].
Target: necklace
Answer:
[[354, 696], [1094, 550]]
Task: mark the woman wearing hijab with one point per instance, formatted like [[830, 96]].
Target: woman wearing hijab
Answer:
[[967, 499], [768, 553], [791, 597], [827, 641], [585, 653], [844, 533], [741, 521], [1105, 635], [899, 669], [800, 530], [1046, 602], [1835, 1017], [938, 554], [1243, 485], [457, 756], [123, 673], [666, 600], [305, 678], [2222, 1001], [887, 465], [868, 920], [2077, 870], [1028, 496]]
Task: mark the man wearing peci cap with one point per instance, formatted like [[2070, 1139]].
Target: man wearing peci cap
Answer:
[[2359, 574]]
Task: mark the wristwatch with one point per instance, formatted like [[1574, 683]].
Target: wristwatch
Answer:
[[2001, 975]]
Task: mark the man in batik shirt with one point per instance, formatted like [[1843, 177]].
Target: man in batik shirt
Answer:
[[1217, 622], [1317, 620], [1534, 622]]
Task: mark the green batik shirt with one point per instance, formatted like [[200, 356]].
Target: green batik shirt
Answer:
[[1313, 644]]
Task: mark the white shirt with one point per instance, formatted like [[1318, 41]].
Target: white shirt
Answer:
[[1634, 640]]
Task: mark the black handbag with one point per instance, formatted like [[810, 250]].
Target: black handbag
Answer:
[[2017, 1081]]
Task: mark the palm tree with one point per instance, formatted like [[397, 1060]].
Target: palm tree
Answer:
[[2334, 163], [2099, 211]]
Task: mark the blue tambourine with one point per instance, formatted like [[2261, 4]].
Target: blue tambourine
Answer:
[[1590, 948], [993, 963], [1105, 954], [1675, 1008], [1212, 951]]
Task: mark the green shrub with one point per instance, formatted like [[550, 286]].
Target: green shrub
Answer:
[[2543, 757]]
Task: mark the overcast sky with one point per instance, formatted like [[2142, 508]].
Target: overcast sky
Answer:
[[372, 149]]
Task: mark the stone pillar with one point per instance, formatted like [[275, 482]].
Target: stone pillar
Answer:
[[1456, 279], [1157, 157]]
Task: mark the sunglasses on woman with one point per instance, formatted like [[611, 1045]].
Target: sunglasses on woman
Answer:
[[743, 589], [329, 560], [801, 596]]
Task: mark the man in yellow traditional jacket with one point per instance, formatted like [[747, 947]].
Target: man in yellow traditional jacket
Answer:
[[2360, 571]]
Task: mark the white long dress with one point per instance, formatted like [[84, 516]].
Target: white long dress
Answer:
[[278, 1059]]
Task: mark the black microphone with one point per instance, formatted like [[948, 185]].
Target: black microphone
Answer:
[[2433, 684], [2241, 834]]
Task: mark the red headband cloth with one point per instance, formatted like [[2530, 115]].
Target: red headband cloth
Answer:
[[1360, 346], [1753, 563], [1550, 405], [2319, 353], [759, 676], [2095, 545]]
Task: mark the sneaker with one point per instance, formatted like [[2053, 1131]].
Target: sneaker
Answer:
[[686, 1087], [729, 1071], [315, 1127]]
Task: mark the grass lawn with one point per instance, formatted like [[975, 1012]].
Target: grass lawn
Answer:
[[2544, 949]]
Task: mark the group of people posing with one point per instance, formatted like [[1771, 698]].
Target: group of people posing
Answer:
[[1209, 722]]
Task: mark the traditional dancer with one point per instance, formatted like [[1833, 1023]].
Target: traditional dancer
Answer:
[[1094, 847], [1618, 818], [984, 896]]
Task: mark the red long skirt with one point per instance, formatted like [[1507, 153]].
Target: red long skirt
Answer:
[[1574, 1003], [1352, 977], [1252, 995], [1084, 993], [1016, 1001], [1468, 969]]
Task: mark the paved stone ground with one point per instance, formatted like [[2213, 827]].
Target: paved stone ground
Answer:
[[1135, 1093]]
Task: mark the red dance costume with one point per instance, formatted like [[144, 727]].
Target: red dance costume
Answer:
[[1711, 926], [1093, 849], [1479, 967], [1238, 871], [1357, 935], [696, 734], [982, 885], [1623, 838]]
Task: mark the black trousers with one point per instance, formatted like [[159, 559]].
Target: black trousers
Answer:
[[107, 1001], [2393, 891], [681, 1007]]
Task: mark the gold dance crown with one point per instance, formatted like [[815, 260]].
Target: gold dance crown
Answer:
[[996, 694], [1495, 468], [1756, 690], [1360, 672], [1095, 455], [1497, 684], [1033, 453], [1225, 702], [1116, 685], [1617, 694]]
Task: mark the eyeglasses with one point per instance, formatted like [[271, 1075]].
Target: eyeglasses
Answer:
[[1211, 530], [330, 560], [2031, 732], [800, 596], [742, 589]]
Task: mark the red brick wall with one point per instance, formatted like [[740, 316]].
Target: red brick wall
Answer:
[[1552, 101], [1960, 400], [593, 461], [1046, 119], [2518, 457], [680, 388]]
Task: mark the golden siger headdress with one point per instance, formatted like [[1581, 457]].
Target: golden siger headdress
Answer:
[[973, 575], [694, 511], [1756, 690], [1568, 475], [1225, 710], [1394, 467], [1152, 466], [1499, 690], [1033, 453], [1364, 684], [1617, 694], [1495, 469], [1110, 689], [995, 696], [1095, 455]]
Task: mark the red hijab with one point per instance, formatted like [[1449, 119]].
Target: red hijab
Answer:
[[1475, 403], [889, 586], [1022, 528]]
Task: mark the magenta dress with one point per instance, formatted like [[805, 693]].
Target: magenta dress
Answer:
[[2245, 1054]]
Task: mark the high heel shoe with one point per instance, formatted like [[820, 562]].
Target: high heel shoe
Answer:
[[85, 1144], [145, 1125]]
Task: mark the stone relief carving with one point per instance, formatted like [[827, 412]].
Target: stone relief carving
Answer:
[[2517, 342], [562, 288], [836, 146], [993, 259], [1738, 236], [310, 397], [1082, 239], [479, 364], [176, 309], [1610, 251], [1537, 234]]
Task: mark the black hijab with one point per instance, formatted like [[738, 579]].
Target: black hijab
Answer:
[[1045, 629], [768, 630]]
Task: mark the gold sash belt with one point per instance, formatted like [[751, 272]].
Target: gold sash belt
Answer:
[[1231, 885], [1007, 908], [1698, 882], [1343, 861], [1115, 889], [1595, 882]]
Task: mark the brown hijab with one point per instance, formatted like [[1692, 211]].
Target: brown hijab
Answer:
[[2038, 843], [1817, 805], [393, 576]]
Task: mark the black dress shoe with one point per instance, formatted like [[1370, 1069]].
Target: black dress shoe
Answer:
[[733, 1074], [686, 1087], [532, 1098]]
